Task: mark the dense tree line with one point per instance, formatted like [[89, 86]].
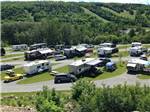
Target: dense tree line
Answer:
[[69, 23]]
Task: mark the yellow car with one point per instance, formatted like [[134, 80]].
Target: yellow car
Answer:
[[11, 76]]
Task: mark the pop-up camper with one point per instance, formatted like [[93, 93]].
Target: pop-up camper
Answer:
[[20, 47], [37, 67]]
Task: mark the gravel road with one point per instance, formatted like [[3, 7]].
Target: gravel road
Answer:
[[122, 79]]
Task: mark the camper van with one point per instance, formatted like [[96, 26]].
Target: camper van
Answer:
[[108, 45], [38, 46], [38, 54], [37, 67], [136, 65], [20, 47]]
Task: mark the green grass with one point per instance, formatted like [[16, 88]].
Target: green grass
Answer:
[[63, 69], [37, 78], [123, 46], [147, 45], [14, 59], [120, 70], [121, 53], [11, 55], [16, 70], [143, 76], [94, 15]]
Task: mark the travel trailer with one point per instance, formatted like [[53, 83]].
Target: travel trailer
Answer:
[[20, 47], [137, 65], [136, 44], [137, 51], [37, 67], [75, 51], [38, 46], [80, 66], [38, 54], [106, 49]]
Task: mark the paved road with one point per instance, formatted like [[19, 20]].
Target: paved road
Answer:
[[122, 79]]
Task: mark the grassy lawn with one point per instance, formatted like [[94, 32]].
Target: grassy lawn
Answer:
[[42, 77], [120, 70], [121, 53], [123, 46], [36, 78], [14, 59], [16, 70], [143, 76], [147, 45], [11, 55]]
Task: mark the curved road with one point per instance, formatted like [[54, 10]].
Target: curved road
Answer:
[[122, 79]]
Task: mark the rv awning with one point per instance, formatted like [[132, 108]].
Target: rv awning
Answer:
[[45, 51], [131, 65], [94, 62]]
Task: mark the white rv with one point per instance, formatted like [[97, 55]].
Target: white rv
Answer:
[[80, 66], [137, 50], [108, 45], [136, 44], [137, 65], [37, 67], [104, 51], [20, 47]]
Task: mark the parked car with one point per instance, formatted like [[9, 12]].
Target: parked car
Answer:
[[11, 76], [64, 77], [60, 57], [6, 67], [110, 66]]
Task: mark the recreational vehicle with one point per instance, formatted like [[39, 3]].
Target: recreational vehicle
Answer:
[[38, 46], [38, 54], [137, 51], [137, 65], [37, 67], [20, 47], [69, 52], [136, 44], [108, 45], [80, 66]]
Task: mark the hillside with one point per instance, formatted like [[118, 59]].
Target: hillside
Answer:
[[72, 23]]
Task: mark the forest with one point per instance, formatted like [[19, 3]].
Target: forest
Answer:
[[73, 23]]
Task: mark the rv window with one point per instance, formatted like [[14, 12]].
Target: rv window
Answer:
[[42, 64], [79, 69], [47, 64], [38, 66]]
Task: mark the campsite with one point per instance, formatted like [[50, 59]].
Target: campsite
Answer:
[[61, 56]]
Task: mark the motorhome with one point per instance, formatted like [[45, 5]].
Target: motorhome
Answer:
[[38, 46], [137, 51], [20, 47], [38, 54], [137, 65], [37, 67], [108, 45]]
